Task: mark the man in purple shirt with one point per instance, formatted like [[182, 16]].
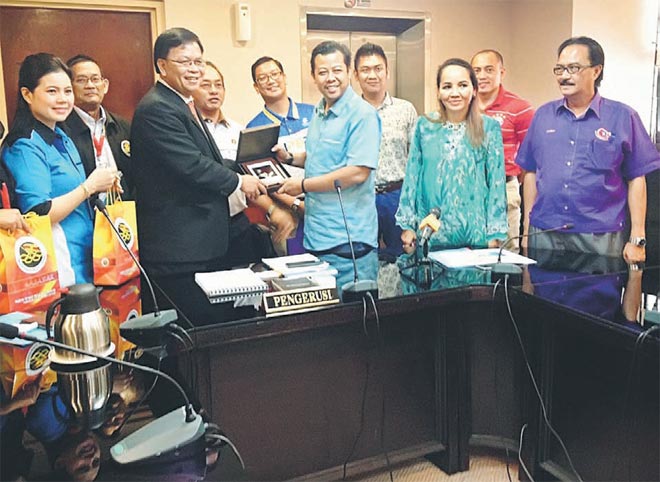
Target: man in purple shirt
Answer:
[[586, 158]]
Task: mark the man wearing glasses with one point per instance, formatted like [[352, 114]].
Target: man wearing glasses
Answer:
[[101, 137], [181, 179], [293, 118], [586, 159]]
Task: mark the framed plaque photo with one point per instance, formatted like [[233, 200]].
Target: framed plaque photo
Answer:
[[269, 171], [255, 157]]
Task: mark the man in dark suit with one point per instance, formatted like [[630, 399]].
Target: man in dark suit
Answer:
[[182, 181], [101, 137]]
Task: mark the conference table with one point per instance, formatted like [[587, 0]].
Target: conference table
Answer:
[[440, 364]]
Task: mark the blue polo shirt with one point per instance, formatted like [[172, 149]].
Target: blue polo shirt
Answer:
[[583, 164], [297, 119], [47, 165], [347, 135]]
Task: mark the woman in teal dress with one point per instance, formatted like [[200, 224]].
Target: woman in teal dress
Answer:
[[455, 164]]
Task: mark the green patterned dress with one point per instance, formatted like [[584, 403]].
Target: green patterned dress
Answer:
[[468, 184]]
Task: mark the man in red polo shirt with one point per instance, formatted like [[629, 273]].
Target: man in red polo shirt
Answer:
[[514, 116]]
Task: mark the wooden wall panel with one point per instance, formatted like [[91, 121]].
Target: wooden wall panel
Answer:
[[120, 41]]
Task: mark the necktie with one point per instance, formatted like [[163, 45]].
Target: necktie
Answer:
[[191, 106]]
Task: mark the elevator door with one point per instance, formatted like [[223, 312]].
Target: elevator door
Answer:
[[353, 40]]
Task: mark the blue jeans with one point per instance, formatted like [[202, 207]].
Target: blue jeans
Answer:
[[386, 204], [367, 266]]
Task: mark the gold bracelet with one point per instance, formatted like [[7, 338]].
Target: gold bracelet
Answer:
[[87, 193]]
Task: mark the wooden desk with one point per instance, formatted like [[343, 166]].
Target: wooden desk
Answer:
[[289, 390]]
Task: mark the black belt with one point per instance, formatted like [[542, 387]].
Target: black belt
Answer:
[[344, 250], [511, 178], [388, 187]]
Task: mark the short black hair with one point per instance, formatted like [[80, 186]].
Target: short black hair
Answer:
[[328, 47], [367, 50], [489, 51], [596, 53], [172, 38], [80, 58], [263, 60]]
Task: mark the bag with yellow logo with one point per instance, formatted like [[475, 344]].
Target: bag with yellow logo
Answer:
[[113, 265], [121, 304], [22, 362], [28, 268]]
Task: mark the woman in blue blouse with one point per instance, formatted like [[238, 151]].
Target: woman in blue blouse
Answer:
[[455, 164], [49, 174]]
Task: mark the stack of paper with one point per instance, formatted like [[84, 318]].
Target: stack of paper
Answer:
[[299, 265], [466, 257]]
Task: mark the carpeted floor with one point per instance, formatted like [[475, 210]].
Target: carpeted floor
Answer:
[[485, 466]]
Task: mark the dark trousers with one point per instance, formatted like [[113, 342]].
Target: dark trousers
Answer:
[[389, 234], [247, 245]]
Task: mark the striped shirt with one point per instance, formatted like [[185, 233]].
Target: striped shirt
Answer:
[[514, 115]]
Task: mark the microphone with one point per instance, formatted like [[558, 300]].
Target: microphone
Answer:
[[159, 440], [145, 330], [502, 270], [429, 225], [355, 290], [549, 230]]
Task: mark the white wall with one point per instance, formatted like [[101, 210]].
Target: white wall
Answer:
[[627, 32], [527, 32], [537, 29], [458, 28]]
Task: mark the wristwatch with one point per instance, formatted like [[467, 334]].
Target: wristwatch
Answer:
[[269, 213], [637, 241], [295, 207]]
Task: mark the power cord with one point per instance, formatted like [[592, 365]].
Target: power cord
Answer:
[[383, 394], [214, 433], [533, 379], [520, 460], [364, 393], [190, 325], [132, 411], [497, 392], [365, 390]]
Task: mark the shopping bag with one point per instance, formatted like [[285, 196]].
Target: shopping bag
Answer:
[[28, 268], [121, 304], [22, 361], [113, 264]]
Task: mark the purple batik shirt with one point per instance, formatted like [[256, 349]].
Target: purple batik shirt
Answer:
[[583, 165]]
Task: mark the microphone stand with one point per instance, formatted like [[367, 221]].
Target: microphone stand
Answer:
[[146, 330], [159, 440], [355, 290], [502, 271]]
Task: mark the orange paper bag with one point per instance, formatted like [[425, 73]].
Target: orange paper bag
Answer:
[[113, 265], [28, 268], [121, 304]]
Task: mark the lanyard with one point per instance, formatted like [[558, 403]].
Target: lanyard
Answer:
[[98, 144]]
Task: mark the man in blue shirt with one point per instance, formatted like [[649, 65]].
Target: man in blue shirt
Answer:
[[585, 159], [342, 145]]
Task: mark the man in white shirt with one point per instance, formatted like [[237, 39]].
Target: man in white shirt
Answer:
[[247, 242]]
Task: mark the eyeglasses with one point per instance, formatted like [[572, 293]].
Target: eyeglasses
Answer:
[[96, 80], [274, 76], [199, 63], [571, 69]]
